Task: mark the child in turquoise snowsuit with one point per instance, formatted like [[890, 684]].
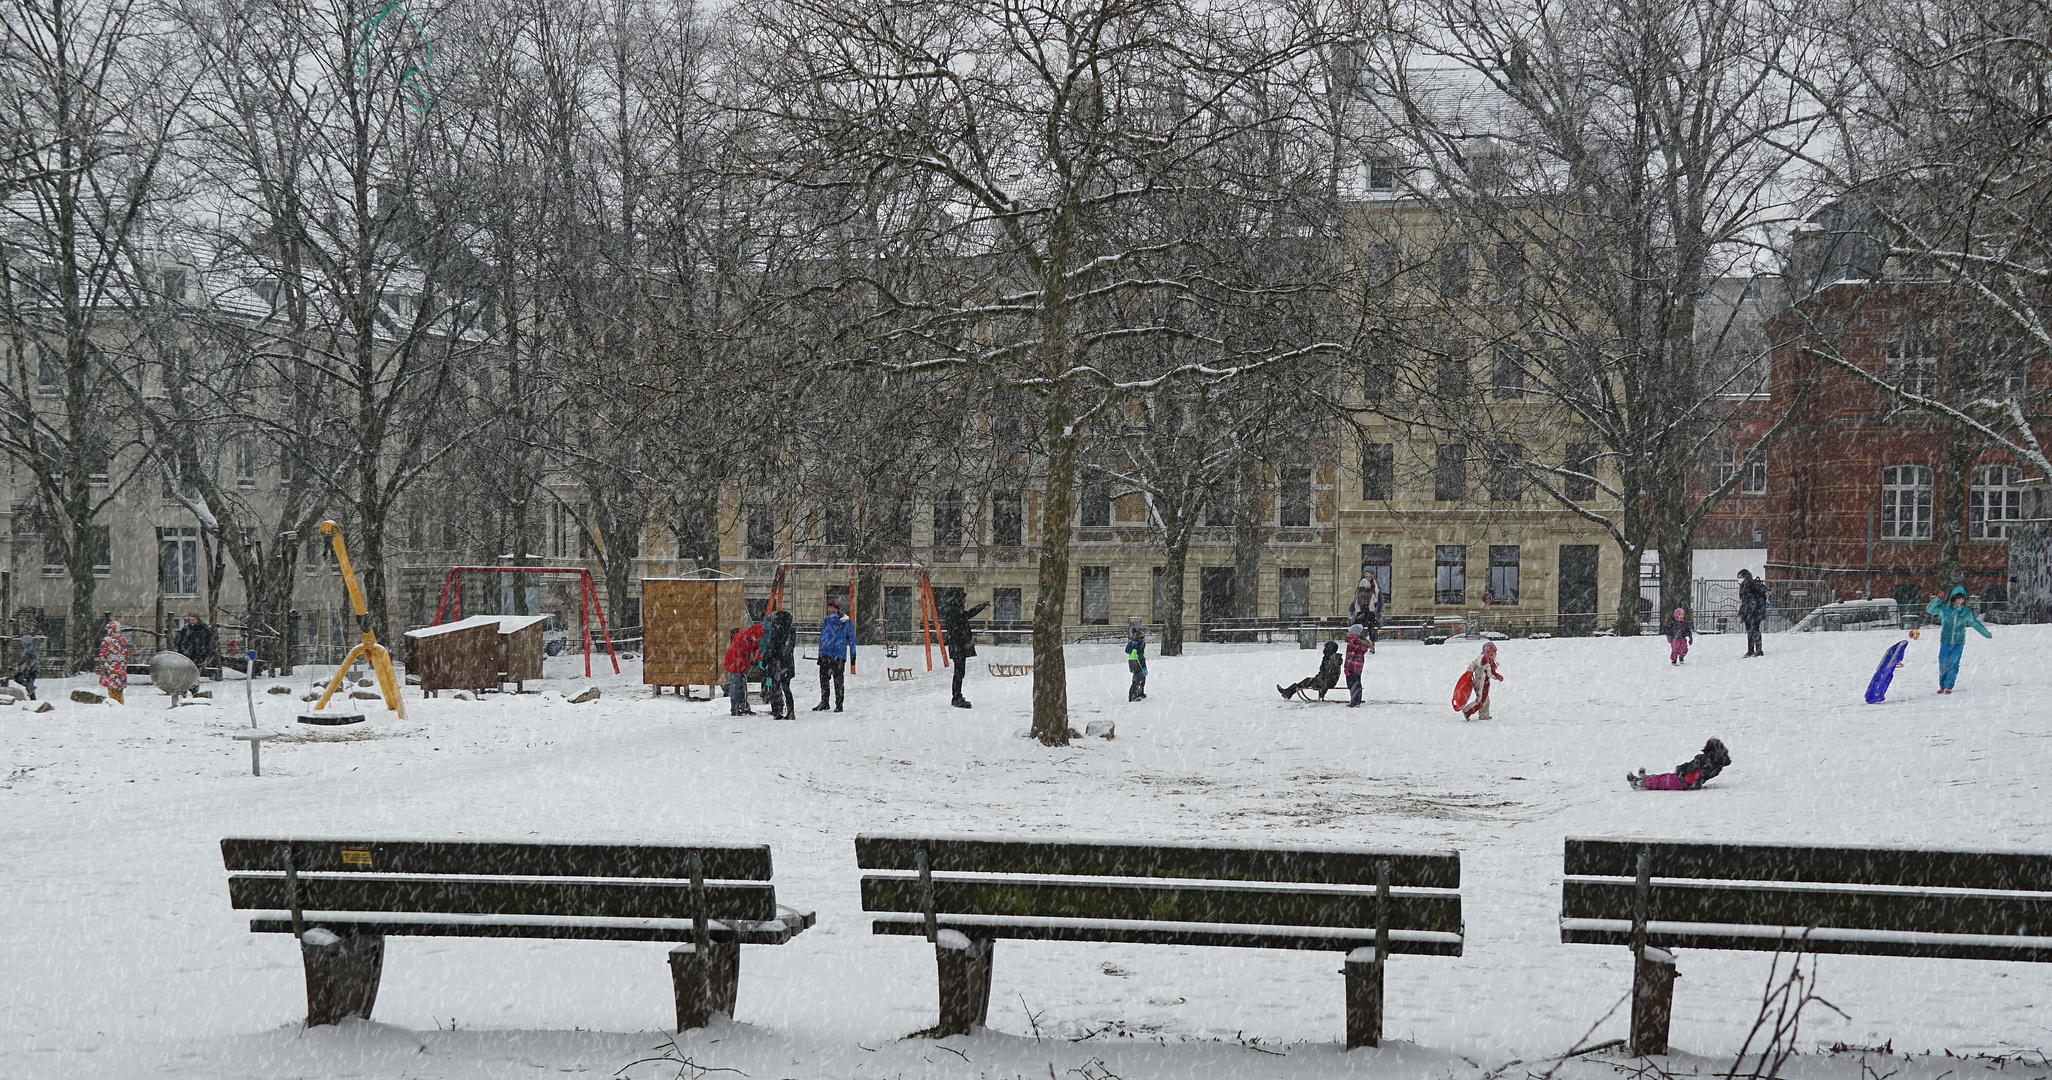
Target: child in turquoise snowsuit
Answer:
[[1954, 616]]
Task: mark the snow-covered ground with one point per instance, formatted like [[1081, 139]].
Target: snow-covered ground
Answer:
[[120, 957]]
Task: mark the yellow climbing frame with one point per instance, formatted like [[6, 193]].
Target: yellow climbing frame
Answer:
[[368, 648]]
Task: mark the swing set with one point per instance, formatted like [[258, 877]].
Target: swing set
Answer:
[[929, 613]]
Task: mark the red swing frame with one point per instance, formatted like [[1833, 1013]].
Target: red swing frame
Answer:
[[929, 613], [587, 602]]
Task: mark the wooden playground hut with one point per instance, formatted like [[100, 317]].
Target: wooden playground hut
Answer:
[[685, 621], [480, 653], [589, 608]]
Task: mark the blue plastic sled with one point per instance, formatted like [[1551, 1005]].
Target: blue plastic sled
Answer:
[[1877, 687]]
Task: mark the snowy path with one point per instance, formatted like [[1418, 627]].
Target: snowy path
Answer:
[[121, 957]]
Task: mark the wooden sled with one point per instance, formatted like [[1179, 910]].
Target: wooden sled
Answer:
[[1006, 671], [898, 674]]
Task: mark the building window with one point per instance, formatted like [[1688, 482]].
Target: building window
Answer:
[[49, 370], [1218, 513], [762, 532], [947, 519], [1296, 498], [1375, 562], [174, 285], [181, 562], [1503, 573], [1506, 472], [1581, 463], [1913, 366], [99, 461], [1511, 271], [1450, 473], [1453, 379], [1450, 574], [1507, 371], [245, 462], [1095, 506], [1007, 524], [1906, 503], [1293, 593], [1378, 471], [1453, 271], [1096, 590], [1381, 266], [53, 553], [1383, 175], [1007, 605], [1994, 501], [1755, 481]]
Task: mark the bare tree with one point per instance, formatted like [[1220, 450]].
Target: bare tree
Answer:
[[1016, 151], [1606, 163], [91, 109]]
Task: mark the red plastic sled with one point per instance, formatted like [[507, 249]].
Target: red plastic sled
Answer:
[[1463, 690]]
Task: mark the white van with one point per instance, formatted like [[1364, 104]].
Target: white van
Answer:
[[1881, 614]]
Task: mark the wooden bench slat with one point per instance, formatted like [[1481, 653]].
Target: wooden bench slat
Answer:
[[776, 932], [1167, 901], [1798, 905], [1414, 942], [1225, 862], [1679, 935], [731, 862], [1948, 868], [503, 896]]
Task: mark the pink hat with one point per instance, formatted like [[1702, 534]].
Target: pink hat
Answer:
[[1489, 648], [1677, 613]]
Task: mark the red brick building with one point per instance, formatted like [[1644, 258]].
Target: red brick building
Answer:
[[1871, 496]]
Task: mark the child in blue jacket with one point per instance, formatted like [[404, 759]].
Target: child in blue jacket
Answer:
[[1954, 616]]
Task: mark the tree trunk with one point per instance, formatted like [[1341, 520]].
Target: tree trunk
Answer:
[[1250, 539], [1175, 567], [1677, 558], [1950, 511], [1058, 510], [370, 568], [85, 623]]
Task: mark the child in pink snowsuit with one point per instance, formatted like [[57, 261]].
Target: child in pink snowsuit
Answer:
[[1689, 775], [1679, 634]]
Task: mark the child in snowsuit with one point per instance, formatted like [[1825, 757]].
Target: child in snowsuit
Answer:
[[1328, 675], [1479, 673], [1689, 775], [740, 657], [30, 666], [1679, 634], [1954, 616], [114, 662], [1136, 662], [1357, 657]]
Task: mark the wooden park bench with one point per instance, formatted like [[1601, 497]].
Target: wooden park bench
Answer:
[[1366, 904], [342, 898], [1654, 896]]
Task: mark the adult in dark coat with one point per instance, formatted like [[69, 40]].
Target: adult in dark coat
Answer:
[[29, 667], [959, 639], [195, 642], [1752, 609], [781, 665], [1328, 675]]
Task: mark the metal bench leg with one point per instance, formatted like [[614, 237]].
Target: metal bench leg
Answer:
[[1652, 1001], [703, 990], [341, 975], [964, 986], [1364, 998]]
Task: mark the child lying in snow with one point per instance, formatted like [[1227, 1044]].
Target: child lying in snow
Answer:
[[1687, 776]]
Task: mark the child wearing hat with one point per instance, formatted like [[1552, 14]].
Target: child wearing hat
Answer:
[[1480, 673]]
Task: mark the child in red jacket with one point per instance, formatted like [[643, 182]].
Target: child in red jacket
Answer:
[[740, 656]]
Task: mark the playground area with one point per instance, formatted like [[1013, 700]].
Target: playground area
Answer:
[[126, 960]]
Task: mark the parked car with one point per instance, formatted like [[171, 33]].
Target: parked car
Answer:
[[1881, 614]]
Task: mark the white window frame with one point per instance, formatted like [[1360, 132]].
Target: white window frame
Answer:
[[2007, 501], [1906, 488], [187, 538]]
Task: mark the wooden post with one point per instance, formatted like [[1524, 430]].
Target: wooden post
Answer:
[[1652, 971], [925, 865], [342, 973], [705, 982], [1364, 998], [964, 983], [1652, 1001]]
